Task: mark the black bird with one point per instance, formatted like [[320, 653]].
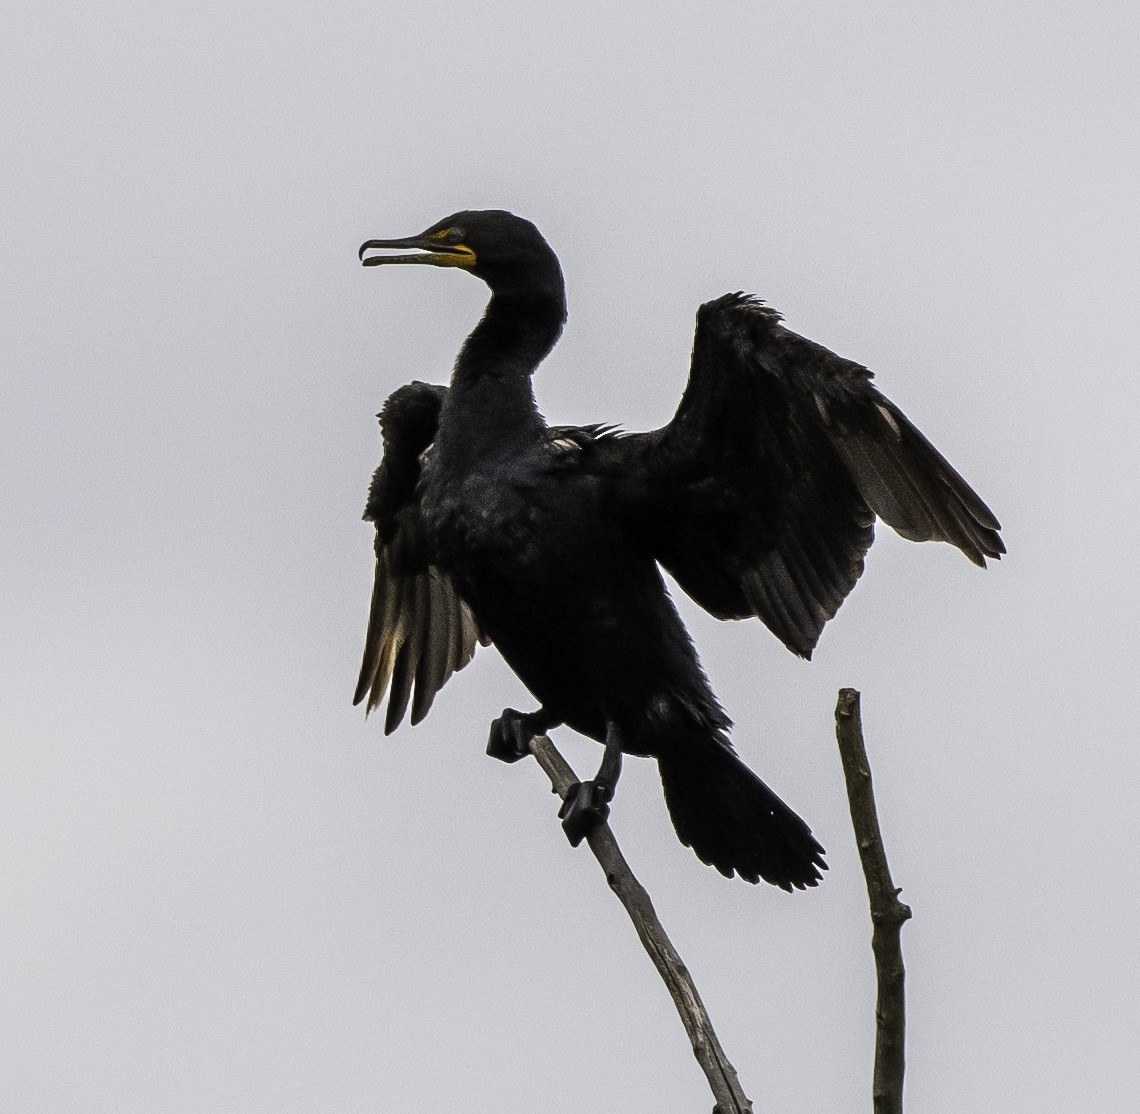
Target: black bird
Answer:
[[759, 497]]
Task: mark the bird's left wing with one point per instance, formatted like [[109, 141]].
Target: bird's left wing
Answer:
[[760, 495], [419, 630]]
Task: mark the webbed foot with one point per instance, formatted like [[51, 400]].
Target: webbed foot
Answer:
[[587, 804], [512, 732]]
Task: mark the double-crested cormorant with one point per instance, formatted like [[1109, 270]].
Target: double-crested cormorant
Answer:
[[759, 497]]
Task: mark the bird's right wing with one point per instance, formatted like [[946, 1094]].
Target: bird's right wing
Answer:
[[419, 630]]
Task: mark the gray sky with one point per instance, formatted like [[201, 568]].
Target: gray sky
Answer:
[[223, 891]]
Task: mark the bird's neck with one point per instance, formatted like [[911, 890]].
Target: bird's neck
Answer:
[[491, 408], [518, 329]]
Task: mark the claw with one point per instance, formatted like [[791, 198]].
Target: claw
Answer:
[[585, 806], [511, 734]]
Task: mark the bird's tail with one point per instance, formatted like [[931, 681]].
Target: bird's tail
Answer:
[[734, 822]]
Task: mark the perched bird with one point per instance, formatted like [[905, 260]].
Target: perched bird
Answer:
[[759, 497]]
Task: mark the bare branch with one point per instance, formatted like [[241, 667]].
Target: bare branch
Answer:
[[730, 1099], [887, 913]]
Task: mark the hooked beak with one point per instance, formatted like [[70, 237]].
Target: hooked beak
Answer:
[[429, 251]]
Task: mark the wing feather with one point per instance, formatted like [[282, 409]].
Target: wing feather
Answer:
[[760, 495], [419, 630]]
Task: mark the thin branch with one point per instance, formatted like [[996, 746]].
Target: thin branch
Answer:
[[887, 912], [730, 1099]]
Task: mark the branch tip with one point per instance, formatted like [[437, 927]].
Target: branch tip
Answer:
[[887, 912]]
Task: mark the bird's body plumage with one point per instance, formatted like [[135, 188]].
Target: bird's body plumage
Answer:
[[758, 497]]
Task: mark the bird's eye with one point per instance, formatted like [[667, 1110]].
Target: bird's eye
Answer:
[[453, 236]]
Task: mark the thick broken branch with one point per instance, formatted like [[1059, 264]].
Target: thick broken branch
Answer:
[[721, 1075], [887, 912]]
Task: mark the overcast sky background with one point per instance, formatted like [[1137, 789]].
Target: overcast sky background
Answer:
[[222, 890]]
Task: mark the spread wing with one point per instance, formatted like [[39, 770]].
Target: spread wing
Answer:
[[760, 495], [419, 630]]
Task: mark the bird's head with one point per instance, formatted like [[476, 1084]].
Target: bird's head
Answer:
[[505, 251]]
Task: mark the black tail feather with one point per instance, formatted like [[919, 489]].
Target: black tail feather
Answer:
[[734, 822]]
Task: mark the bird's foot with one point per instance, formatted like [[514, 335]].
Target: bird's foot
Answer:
[[511, 734], [586, 805]]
